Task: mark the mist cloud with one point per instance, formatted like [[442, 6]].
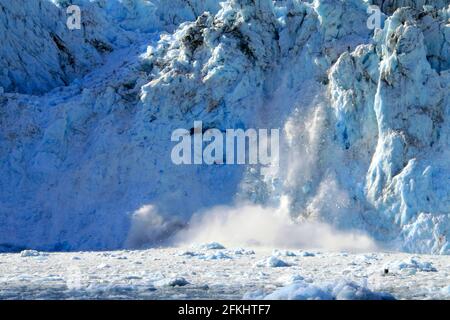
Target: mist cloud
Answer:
[[247, 224]]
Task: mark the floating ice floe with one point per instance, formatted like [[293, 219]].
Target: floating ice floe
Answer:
[[216, 256], [272, 262], [411, 265], [172, 282], [306, 254], [242, 251], [188, 253], [342, 290], [205, 256], [290, 279], [285, 253], [446, 291], [367, 258], [212, 246], [32, 253]]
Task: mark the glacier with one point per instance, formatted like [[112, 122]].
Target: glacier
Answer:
[[86, 117]]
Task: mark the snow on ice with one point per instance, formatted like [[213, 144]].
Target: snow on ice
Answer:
[[165, 274]]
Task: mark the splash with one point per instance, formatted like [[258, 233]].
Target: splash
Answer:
[[246, 224]]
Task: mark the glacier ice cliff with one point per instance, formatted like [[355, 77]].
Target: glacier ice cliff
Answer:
[[86, 117]]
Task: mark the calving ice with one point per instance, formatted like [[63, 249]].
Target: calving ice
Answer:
[[234, 146]]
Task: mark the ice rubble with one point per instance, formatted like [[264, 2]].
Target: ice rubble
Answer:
[[365, 116], [216, 256], [411, 265], [148, 274], [212, 246], [302, 290], [172, 282], [32, 253], [272, 262]]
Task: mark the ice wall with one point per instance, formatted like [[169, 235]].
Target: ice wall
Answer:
[[39, 52], [364, 116], [401, 89]]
